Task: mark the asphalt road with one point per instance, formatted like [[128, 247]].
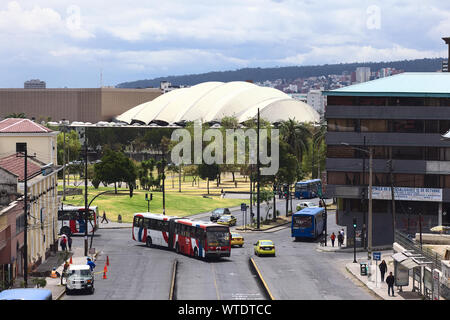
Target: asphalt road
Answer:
[[299, 271]]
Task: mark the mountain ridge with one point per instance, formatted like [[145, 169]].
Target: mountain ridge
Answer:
[[259, 74]]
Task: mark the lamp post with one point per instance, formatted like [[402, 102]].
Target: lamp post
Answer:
[[369, 224]]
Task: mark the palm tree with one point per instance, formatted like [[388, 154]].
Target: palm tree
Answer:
[[296, 135], [317, 138]]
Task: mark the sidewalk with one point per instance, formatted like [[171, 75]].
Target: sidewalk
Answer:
[[54, 284], [374, 281]]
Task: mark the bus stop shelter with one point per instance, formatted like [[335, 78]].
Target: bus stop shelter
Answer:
[[406, 262]]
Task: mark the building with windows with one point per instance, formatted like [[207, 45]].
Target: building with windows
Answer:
[[34, 84], [362, 74], [43, 198], [401, 119]]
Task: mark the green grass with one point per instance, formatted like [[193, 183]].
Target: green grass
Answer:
[[177, 204]]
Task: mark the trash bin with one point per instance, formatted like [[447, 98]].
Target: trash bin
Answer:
[[363, 268]]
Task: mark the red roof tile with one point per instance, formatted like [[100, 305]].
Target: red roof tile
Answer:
[[16, 165], [17, 125]]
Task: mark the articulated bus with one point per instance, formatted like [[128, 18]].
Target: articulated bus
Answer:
[[308, 223], [71, 220], [194, 238]]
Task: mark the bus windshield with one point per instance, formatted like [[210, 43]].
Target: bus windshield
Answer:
[[302, 221], [217, 238]]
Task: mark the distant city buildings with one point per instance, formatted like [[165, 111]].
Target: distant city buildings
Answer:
[[34, 84], [327, 82], [316, 100], [362, 74]]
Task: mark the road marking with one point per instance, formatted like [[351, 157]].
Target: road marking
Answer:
[[215, 282]]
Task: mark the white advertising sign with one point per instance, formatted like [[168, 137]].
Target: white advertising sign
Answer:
[[411, 194]]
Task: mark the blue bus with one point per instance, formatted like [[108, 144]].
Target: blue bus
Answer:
[[308, 223], [26, 294], [307, 189]]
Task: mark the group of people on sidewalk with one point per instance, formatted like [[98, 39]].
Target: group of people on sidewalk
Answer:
[[340, 238], [390, 280], [65, 241]]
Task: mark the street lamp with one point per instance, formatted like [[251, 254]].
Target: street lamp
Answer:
[[369, 224]]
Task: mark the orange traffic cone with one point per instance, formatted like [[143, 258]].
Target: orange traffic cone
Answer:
[[104, 275], [70, 262], [107, 260]]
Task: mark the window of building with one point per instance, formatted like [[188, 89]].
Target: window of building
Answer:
[[408, 153], [431, 126], [341, 125], [340, 152], [406, 126], [374, 125], [444, 126]]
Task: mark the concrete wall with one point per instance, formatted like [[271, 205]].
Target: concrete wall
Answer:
[[91, 104]]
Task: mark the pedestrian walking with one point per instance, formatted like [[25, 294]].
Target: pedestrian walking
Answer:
[[340, 239], [383, 269], [69, 242], [390, 282], [64, 272], [63, 243], [332, 237], [104, 217]]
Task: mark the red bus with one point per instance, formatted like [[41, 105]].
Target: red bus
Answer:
[[194, 238], [71, 220]]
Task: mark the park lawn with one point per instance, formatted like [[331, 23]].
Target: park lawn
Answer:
[[176, 204]]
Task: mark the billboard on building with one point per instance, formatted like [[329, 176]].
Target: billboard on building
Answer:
[[408, 194]]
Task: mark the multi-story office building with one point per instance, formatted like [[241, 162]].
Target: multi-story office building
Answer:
[[399, 118], [34, 84], [362, 74], [316, 100]]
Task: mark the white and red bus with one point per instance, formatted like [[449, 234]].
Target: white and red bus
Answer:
[[194, 238], [71, 220]]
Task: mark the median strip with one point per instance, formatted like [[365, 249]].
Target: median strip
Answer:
[[266, 288]]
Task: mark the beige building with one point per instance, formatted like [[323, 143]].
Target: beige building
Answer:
[[42, 182], [87, 105], [40, 140]]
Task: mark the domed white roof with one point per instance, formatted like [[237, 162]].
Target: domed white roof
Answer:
[[211, 101]]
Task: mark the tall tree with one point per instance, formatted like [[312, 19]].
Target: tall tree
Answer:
[[296, 135], [208, 172]]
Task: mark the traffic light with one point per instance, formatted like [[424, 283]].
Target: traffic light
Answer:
[[354, 223], [363, 193]]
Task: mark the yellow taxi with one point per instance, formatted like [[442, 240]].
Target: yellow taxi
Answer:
[[264, 247], [237, 239], [227, 219]]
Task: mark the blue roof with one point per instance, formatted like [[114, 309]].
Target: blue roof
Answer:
[[310, 211], [407, 84], [309, 181], [25, 294]]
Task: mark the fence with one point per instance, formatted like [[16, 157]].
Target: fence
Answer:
[[409, 243]]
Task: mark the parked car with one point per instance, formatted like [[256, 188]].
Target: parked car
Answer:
[[264, 247], [237, 239], [80, 277], [305, 204], [227, 219], [217, 213]]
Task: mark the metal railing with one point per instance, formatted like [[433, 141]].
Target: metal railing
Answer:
[[409, 243]]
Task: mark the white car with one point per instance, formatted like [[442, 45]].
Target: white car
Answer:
[[305, 204]]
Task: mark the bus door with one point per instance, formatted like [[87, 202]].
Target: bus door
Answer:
[[171, 232]]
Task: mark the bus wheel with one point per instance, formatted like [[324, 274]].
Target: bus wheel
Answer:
[[195, 253], [148, 242], [65, 230], [177, 248]]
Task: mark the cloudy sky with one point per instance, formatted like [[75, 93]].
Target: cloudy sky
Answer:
[[70, 43]]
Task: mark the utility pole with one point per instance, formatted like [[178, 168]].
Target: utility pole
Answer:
[[369, 247], [21, 147], [164, 181], [86, 205], [363, 200], [257, 176], [391, 178], [64, 159]]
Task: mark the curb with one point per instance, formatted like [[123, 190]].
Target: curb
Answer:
[[365, 284], [59, 296]]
